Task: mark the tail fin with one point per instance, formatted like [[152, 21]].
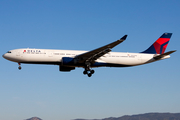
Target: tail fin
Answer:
[[160, 45]]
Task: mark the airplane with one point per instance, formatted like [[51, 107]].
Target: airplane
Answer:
[[68, 60]]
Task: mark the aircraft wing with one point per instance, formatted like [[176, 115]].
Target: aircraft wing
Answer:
[[95, 54]]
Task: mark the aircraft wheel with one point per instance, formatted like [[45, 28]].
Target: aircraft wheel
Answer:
[[89, 75], [19, 67], [92, 71], [85, 72]]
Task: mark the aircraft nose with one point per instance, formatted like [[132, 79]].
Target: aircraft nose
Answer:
[[4, 56], [8, 56]]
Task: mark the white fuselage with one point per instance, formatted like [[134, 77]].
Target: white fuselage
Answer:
[[49, 56]]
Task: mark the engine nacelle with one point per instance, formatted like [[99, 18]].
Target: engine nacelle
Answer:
[[65, 69], [66, 62]]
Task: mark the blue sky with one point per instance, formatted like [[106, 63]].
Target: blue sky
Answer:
[[43, 91]]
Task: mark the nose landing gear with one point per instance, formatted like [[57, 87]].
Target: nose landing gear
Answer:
[[19, 66]]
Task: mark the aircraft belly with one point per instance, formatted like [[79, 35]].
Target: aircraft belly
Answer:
[[117, 62], [123, 61], [147, 58]]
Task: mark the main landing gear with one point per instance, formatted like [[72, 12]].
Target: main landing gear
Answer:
[[19, 66], [88, 71]]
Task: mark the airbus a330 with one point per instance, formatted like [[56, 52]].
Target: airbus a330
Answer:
[[68, 60]]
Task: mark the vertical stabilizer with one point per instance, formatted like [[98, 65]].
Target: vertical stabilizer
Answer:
[[160, 45]]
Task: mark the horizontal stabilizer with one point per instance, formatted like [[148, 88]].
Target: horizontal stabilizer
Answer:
[[157, 57]]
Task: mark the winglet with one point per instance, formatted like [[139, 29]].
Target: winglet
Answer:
[[124, 37]]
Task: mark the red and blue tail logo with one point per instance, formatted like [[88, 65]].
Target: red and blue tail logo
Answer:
[[160, 45]]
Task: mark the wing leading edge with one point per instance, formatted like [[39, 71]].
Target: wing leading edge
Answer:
[[97, 53]]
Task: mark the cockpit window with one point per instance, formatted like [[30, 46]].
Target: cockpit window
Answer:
[[9, 52]]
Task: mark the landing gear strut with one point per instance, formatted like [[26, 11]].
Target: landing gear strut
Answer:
[[88, 71], [19, 66]]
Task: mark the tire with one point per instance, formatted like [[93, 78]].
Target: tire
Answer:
[[85, 72], [89, 75], [19, 68], [92, 71]]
